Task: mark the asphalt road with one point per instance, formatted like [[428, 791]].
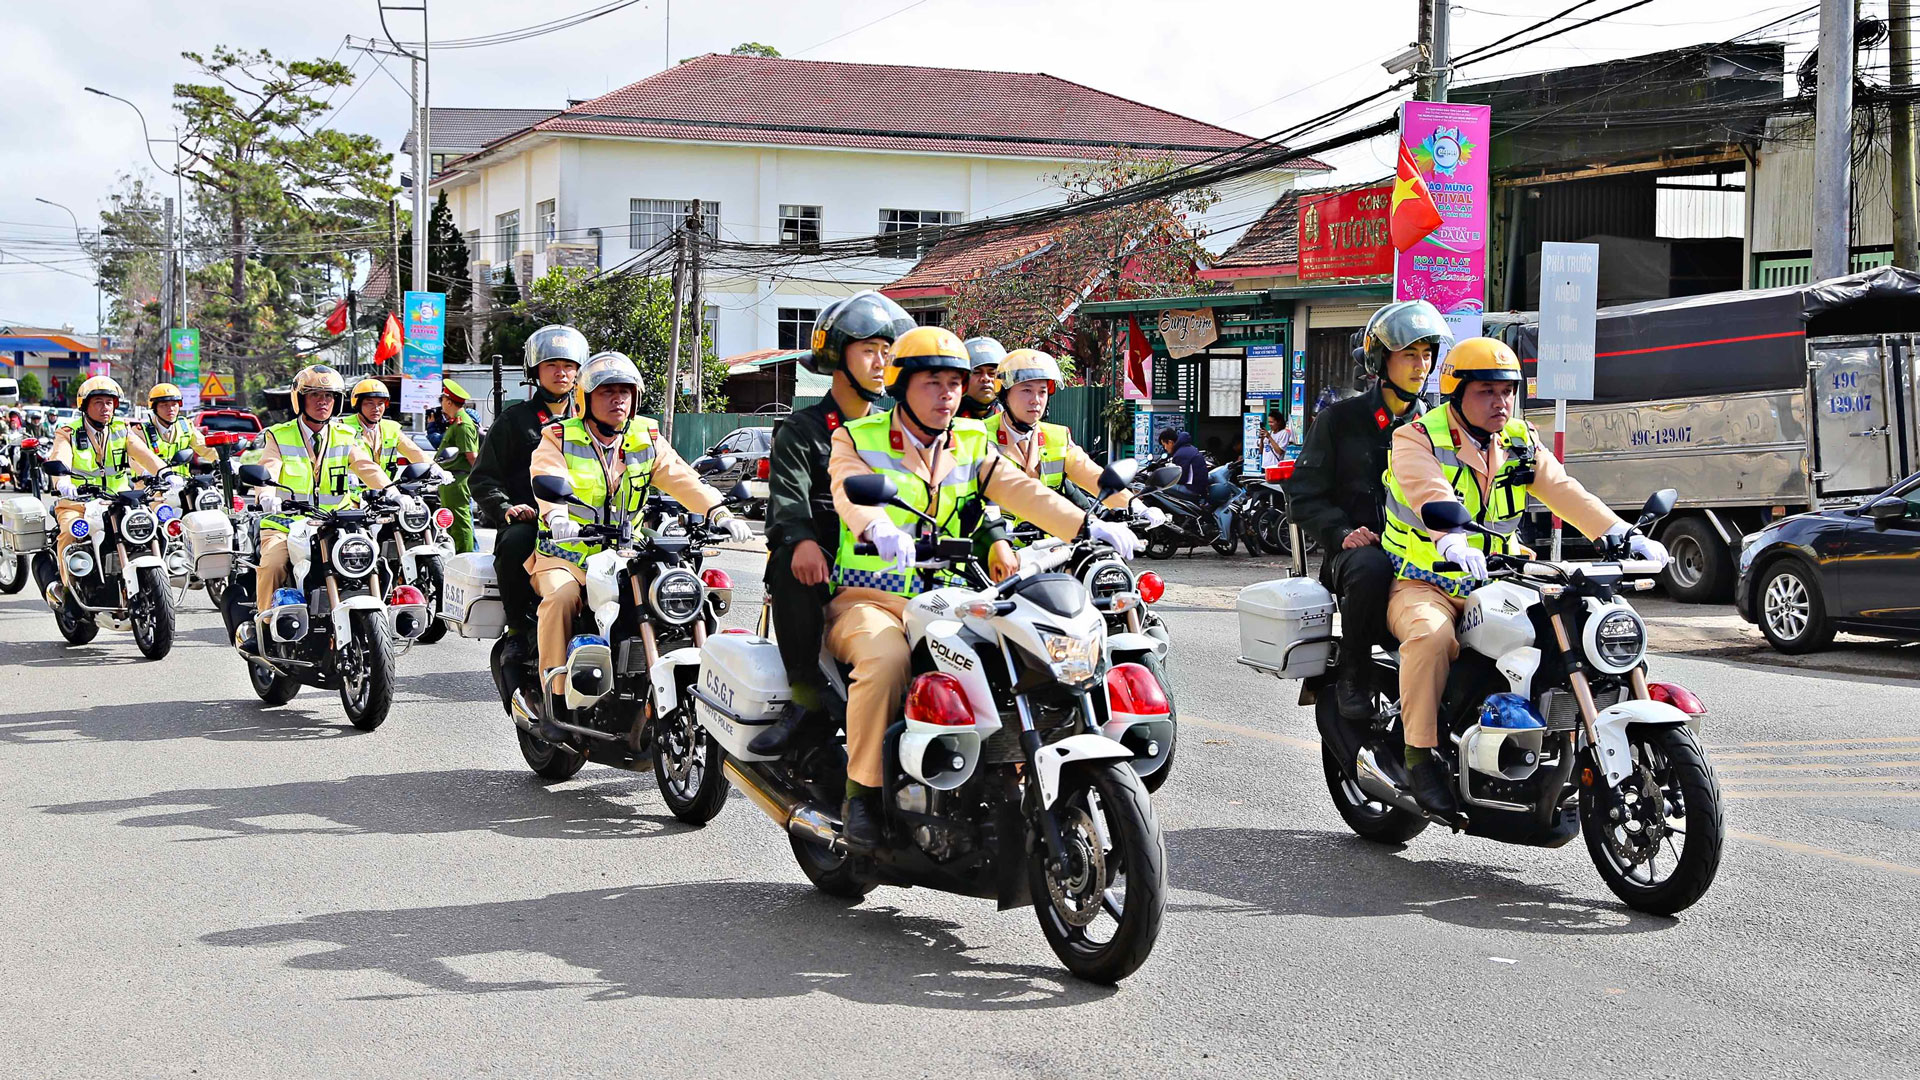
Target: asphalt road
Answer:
[[197, 885]]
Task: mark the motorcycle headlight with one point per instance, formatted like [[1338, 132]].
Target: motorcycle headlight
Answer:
[[208, 499], [675, 596], [414, 520], [138, 527], [1072, 659], [354, 555], [1109, 579], [1616, 641]]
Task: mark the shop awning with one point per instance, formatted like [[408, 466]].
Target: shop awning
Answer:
[[1113, 308]]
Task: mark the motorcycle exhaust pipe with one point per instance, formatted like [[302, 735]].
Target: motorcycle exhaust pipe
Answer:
[[1374, 781], [801, 819]]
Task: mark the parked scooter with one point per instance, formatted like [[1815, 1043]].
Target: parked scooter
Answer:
[[114, 567], [1550, 726], [1192, 521], [998, 781]]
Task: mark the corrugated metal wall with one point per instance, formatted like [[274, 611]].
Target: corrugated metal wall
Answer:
[[1783, 189]]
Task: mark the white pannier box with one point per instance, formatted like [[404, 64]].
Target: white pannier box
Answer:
[[742, 688], [25, 522], [1286, 627], [209, 536], [471, 603]]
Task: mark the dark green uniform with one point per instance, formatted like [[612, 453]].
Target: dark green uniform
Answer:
[[501, 479], [464, 435], [800, 507]]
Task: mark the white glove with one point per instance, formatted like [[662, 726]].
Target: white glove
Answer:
[[1642, 547], [562, 526], [893, 543], [269, 503], [1152, 515], [65, 486], [440, 476], [1455, 548], [176, 484], [737, 530], [1114, 535], [410, 504]]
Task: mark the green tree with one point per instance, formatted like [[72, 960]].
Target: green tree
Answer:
[[447, 272], [291, 200], [30, 387], [509, 326], [754, 48], [129, 253], [628, 314]]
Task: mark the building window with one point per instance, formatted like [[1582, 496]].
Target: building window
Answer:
[[906, 221], [651, 221], [439, 163], [547, 220], [506, 231], [1224, 387], [931, 316], [796, 327], [800, 225]]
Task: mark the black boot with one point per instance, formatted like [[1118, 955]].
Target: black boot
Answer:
[[1353, 693], [552, 703], [861, 816], [774, 741], [1432, 791]]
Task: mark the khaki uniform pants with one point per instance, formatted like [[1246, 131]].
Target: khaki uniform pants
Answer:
[[1421, 616], [65, 513], [874, 640], [270, 568], [561, 595]]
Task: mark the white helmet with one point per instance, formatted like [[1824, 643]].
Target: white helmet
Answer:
[[1028, 365], [609, 369]]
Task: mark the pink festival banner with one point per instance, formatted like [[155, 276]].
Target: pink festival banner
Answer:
[[1451, 145]]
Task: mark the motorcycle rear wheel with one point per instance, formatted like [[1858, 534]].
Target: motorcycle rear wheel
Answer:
[[1159, 548], [431, 579], [549, 761], [366, 676], [1118, 877], [830, 873], [1271, 529], [152, 614], [1368, 818], [1671, 773]]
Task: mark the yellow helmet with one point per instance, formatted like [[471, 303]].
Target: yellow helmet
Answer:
[[317, 379], [926, 348], [1480, 359], [368, 388], [99, 384], [165, 391], [1029, 365]]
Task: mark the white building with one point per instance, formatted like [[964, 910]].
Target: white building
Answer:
[[794, 152]]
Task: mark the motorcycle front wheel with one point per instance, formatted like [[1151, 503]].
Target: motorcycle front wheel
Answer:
[[430, 583], [1101, 913], [366, 671], [1271, 530], [271, 687], [1631, 830], [152, 614], [686, 765]]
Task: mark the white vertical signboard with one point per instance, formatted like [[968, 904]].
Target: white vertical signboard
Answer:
[[1569, 295]]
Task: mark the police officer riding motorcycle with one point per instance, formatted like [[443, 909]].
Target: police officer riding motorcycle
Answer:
[[982, 398]]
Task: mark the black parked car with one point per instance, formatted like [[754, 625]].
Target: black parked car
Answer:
[[1855, 569], [752, 447]]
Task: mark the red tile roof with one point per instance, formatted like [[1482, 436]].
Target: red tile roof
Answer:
[[951, 262], [1274, 240], [760, 100]]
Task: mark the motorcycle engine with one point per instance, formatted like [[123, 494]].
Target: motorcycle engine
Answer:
[[940, 844]]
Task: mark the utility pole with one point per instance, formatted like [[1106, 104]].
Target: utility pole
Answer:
[[696, 232], [420, 93], [1440, 56], [673, 349], [393, 218], [1833, 142], [168, 284], [1423, 74], [1906, 231]]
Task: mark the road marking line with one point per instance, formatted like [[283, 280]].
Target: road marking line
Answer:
[[1786, 780], [1825, 853], [1762, 755], [1738, 768], [1823, 794], [1826, 742]]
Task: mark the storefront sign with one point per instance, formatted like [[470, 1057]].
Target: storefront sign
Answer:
[[1266, 371], [1187, 332], [184, 348], [1450, 145], [1344, 234], [1146, 430]]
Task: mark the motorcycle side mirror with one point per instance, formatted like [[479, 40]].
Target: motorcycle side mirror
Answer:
[[183, 457], [1163, 477], [1445, 515], [555, 489], [1118, 476], [56, 468], [871, 489], [1659, 504], [709, 465], [740, 494], [1888, 511], [255, 476], [414, 471], [448, 454]]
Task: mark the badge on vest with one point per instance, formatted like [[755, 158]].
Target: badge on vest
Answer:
[[1381, 418], [899, 441]]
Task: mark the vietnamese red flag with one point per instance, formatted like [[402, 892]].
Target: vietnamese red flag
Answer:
[[337, 320], [1414, 213], [1139, 369], [389, 339]]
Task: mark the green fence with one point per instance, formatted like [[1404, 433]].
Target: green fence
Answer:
[[694, 432]]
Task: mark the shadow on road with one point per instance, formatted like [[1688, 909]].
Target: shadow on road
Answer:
[[153, 721], [706, 940], [454, 686], [1334, 875], [398, 804]]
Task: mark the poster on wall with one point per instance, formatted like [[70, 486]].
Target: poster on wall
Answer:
[[1250, 441], [1266, 371], [1146, 430], [1445, 147], [424, 350]]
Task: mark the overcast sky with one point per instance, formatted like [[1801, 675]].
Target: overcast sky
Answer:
[[1255, 66]]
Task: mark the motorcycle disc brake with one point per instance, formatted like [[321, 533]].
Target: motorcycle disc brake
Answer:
[[1078, 899]]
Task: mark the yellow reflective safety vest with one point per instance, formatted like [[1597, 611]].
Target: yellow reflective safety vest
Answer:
[[111, 463], [588, 475], [1408, 543], [1055, 440], [170, 440], [884, 450], [329, 482], [383, 444]]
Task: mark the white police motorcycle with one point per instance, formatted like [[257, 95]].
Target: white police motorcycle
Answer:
[[1550, 727], [114, 566]]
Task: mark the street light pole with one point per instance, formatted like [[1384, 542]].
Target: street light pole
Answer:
[[99, 322], [179, 286]]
